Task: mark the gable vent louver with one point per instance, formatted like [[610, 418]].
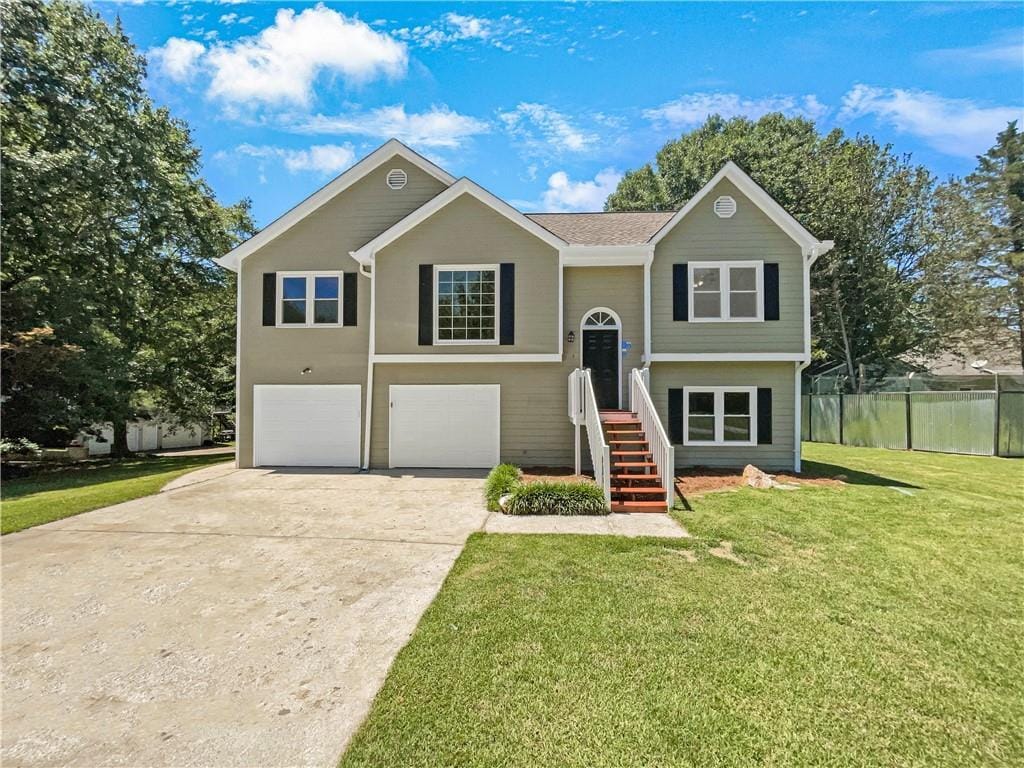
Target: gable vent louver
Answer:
[[396, 178], [725, 207]]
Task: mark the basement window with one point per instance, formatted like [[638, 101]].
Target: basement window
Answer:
[[720, 415]]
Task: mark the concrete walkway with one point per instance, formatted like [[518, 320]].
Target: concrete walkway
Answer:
[[609, 525], [245, 619]]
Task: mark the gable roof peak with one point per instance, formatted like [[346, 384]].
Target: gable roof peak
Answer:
[[387, 151], [811, 246]]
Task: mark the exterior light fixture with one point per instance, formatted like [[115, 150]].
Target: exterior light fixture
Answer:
[[571, 338], [304, 371]]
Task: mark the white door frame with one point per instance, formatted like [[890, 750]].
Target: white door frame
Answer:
[[618, 341]]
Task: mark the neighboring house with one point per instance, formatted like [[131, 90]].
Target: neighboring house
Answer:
[[400, 317], [145, 435]]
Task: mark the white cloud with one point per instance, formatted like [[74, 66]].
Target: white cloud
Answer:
[[327, 159], [692, 109], [564, 194], [281, 63], [438, 127], [229, 18], [540, 130], [1004, 51], [454, 28], [177, 58], [957, 127]]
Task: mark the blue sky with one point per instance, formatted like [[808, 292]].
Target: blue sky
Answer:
[[547, 104]]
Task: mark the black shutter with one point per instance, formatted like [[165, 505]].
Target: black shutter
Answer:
[[508, 304], [270, 298], [675, 416], [680, 292], [426, 305], [764, 416], [771, 291], [350, 300]]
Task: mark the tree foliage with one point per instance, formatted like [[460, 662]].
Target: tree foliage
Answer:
[[874, 204], [108, 232]]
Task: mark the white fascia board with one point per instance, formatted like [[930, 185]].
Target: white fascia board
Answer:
[[461, 187], [607, 255], [727, 357], [461, 359], [818, 249], [757, 195], [325, 194]]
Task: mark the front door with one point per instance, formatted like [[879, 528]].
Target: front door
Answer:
[[601, 356]]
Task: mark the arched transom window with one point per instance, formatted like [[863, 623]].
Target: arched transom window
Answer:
[[601, 319]]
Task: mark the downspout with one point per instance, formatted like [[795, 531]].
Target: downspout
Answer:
[[810, 256], [647, 309], [371, 348]]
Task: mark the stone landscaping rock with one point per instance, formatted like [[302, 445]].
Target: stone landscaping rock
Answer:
[[756, 478]]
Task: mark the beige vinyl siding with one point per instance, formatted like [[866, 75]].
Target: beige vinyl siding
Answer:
[[321, 241], [535, 427], [467, 231], [620, 289], [778, 376], [749, 235]]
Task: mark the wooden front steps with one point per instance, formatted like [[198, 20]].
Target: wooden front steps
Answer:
[[635, 478]]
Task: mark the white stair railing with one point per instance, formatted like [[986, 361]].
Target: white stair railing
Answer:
[[661, 446], [583, 412]]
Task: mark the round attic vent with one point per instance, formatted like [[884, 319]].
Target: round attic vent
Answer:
[[725, 207], [396, 178]]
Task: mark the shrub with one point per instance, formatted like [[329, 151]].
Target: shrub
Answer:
[[557, 499], [502, 480], [19, 448]]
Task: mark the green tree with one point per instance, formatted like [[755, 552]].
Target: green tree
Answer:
[[997, 190], [108, 232], [874, 204]]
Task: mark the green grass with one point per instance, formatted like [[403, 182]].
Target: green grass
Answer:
[[867, 627], [64, 491]]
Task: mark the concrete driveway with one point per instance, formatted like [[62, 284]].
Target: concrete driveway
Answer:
[[246, 620]]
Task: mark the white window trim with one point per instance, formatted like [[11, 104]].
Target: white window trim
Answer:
[[719, 393], [497, 305], [723, 295], [309, 276]]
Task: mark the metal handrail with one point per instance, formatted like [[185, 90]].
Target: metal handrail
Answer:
[[661, 447]]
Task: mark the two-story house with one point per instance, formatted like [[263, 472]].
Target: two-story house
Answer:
[[400, 317]]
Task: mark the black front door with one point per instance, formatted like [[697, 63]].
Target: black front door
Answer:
[[601, 356]]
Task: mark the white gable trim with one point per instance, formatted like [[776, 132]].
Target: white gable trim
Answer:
[[607, 255], [325, 194], [461, 187], [759, 197]]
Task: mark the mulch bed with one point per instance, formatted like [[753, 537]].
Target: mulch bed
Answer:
[[698, 480], [553, 475]]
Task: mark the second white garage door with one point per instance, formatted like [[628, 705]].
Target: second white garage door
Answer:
[[444, 425], [306, 425]]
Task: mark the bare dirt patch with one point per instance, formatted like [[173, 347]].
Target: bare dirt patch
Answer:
[[553, 475], [724, 552], [699, 480]]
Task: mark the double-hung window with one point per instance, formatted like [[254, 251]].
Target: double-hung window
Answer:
[[726, 291], [720, 415], [466, 304], [309, 299]]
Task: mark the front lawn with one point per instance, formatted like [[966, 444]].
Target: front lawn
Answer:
[[60, 492], [877, 623]]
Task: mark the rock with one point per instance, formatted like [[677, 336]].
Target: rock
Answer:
[[756, 478], [503, 502]]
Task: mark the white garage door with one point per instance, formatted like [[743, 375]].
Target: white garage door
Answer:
[[444, 425], [306, 425]]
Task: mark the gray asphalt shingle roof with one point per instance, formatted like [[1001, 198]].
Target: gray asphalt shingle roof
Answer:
[[619, 228]]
